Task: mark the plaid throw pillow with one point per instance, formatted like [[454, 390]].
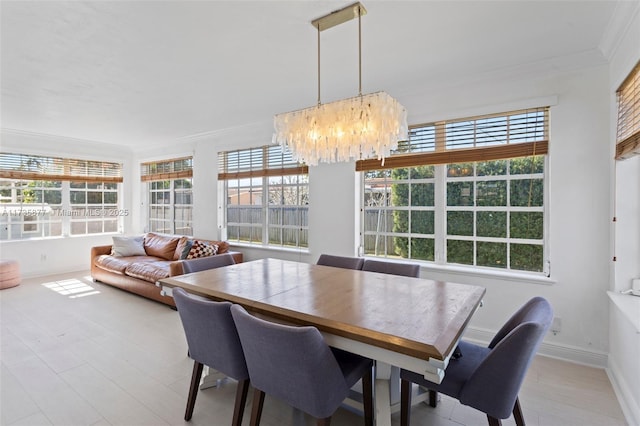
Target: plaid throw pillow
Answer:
[[202, 249]]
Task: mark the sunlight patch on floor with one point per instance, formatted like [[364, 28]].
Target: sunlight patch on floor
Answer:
[[74, 288]]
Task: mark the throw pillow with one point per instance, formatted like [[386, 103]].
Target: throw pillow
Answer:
[[202, 249], [128, 246], [186, 249]]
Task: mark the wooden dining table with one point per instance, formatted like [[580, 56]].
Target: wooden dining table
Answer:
[[411, 323]]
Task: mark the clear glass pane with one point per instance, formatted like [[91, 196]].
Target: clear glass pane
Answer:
[[460, 252], [460, 223], [491, 193], [400, 194], [422, 194], [422, 248], [527, 257], [460, 194], [527, 192], [401, 221], [492, 168], [492, 254], [527, 225], [422, 222], [491, 224]]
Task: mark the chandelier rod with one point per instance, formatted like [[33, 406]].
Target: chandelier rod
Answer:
[[359, 51]]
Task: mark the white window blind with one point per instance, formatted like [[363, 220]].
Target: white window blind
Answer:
[[175, 168], [35, 167], [628, 129]]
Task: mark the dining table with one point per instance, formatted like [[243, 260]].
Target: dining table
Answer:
[[406, 322]]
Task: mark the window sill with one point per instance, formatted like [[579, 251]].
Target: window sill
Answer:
[[629, 305], [510, 276], [268, 248]]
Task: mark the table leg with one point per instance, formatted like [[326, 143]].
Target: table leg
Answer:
[[211, 379], [382, 394]]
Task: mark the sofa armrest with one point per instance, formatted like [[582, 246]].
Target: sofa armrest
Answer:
[[100, 250], [175, 268]]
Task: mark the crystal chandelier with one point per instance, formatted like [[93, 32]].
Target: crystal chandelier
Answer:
[[364, 126]]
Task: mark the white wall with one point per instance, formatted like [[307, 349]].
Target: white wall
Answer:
[[624, 355]]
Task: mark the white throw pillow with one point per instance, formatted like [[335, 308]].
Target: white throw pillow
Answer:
[[128, 246]]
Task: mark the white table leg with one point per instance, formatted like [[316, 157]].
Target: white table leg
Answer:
[[382, 394], [211, 378]]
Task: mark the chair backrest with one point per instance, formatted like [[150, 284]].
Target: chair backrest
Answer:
[[293, 364], [209, 262], [340, 261], [393, 268], [504, 368], [211, 334]]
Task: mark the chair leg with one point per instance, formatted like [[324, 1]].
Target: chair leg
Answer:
[[324, 422], [517, 413], [433, 398], [367, 396], [193, 389], [405, 402], [256, 408], [493, 421], [241, 399]]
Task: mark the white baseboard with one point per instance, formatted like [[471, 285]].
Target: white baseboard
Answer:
[[552, 350], [629, 406]]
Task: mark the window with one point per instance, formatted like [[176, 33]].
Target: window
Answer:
[[466, 192], [52, 197], [266, 197], [628, 134], [170, 195]]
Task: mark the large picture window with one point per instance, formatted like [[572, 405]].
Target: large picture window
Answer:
[[53, 197], [169, 185], [464, 192], [266, 197]]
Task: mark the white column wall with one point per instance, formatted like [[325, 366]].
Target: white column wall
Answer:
[[624, 337]]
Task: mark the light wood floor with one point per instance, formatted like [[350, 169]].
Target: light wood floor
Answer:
[[74, 352]]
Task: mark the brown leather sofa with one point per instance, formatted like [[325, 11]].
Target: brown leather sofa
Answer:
[[138, 274]]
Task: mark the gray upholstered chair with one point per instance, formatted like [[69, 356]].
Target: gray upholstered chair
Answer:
[[213, 341], [340, 261], [393, 268], [295, 365], [489, 379], [209, 262]]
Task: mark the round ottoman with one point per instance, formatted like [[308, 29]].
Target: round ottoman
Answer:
[[9, 273]]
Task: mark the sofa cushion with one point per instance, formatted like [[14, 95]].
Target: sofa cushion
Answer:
[[160, 245], [202, 249], [128, 246], [112, 263], [151, 272], [119, 264]]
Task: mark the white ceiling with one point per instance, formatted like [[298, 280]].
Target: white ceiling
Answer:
[[141, 73]]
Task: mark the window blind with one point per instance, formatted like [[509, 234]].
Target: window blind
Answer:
[[270, 160], [175, 168], [482, 138], [35, 167], [628, 129]]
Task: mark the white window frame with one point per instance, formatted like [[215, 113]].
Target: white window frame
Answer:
[[440, 208], [255, 169], [17, 170], [168, 171]]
